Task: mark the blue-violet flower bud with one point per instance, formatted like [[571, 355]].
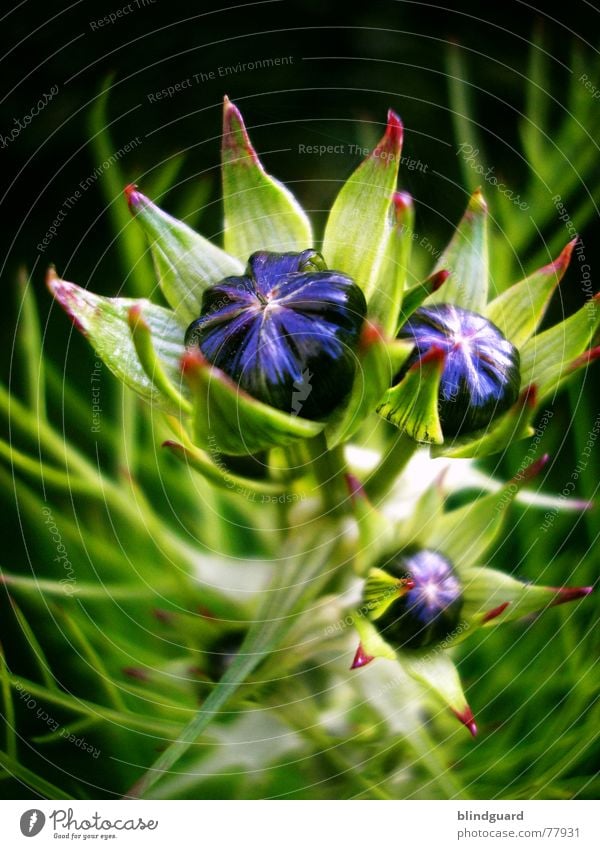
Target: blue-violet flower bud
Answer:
[[430, 610], [481, 376], [286, 332]]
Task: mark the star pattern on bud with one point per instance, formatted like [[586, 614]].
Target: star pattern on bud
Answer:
[[287, 318], [480, 379]]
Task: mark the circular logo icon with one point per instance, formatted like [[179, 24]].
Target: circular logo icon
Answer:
[[32, 822]]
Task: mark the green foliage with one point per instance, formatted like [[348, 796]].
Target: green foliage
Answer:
[[84, 642]]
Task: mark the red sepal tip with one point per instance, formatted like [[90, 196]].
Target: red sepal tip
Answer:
[[468, 720], [566, 594], [495, 612], [361, 658]]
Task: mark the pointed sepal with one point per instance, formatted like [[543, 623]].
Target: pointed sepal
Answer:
[[466, 258], [186, 263], [229, 421], [387, 296], [106, 324], [518, 311], [548, 358], [437, 672], [261, 214], [412, 405], [360, 221], [361, 658], [492, 598]]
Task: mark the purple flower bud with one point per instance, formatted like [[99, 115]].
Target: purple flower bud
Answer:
[[286, 332], [481, 376], [430, 610]]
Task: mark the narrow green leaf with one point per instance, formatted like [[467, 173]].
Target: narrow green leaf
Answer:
[[34, 646], [387, 296], [186, 263], [289, 593], [260, 212], [518, 311], [105, 322], [546, 359], [462, 113], [216, 471], [136, 267], [228, 421], [9, 708], [412, 405], [359, 224], [16, 769], [123, 720], [29, 340], [102, 675], [466, 258]]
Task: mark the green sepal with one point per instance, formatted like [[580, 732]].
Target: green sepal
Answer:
[[386, 299], [105, 322], [229, 421], [144, 347], [518, 311], [417, 295], [412, 405], [547, 359], [260, 212], [515, 424], [186, 263], [372, 642], [466, 258], [358, 226], [437, 671], [492, 597], [381, 589], [375, 368]]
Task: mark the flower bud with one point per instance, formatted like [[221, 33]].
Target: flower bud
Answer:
[[481, 374], [286, 332], [426, 599]]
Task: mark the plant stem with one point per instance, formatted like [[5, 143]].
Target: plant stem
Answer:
[[329, 467], [383, 477]]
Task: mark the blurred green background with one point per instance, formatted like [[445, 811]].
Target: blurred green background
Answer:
[[510, 82]]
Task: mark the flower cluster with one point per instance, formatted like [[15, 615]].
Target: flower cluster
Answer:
[[268, 341]]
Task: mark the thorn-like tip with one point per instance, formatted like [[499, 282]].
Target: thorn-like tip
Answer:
[[355, 487], [468, 720], [361, 658], [369, 335], [402, 202], [137, 673], [566, 594], [134, 197], [438, 279], [494, 613], [434, 355], [191, 361]]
